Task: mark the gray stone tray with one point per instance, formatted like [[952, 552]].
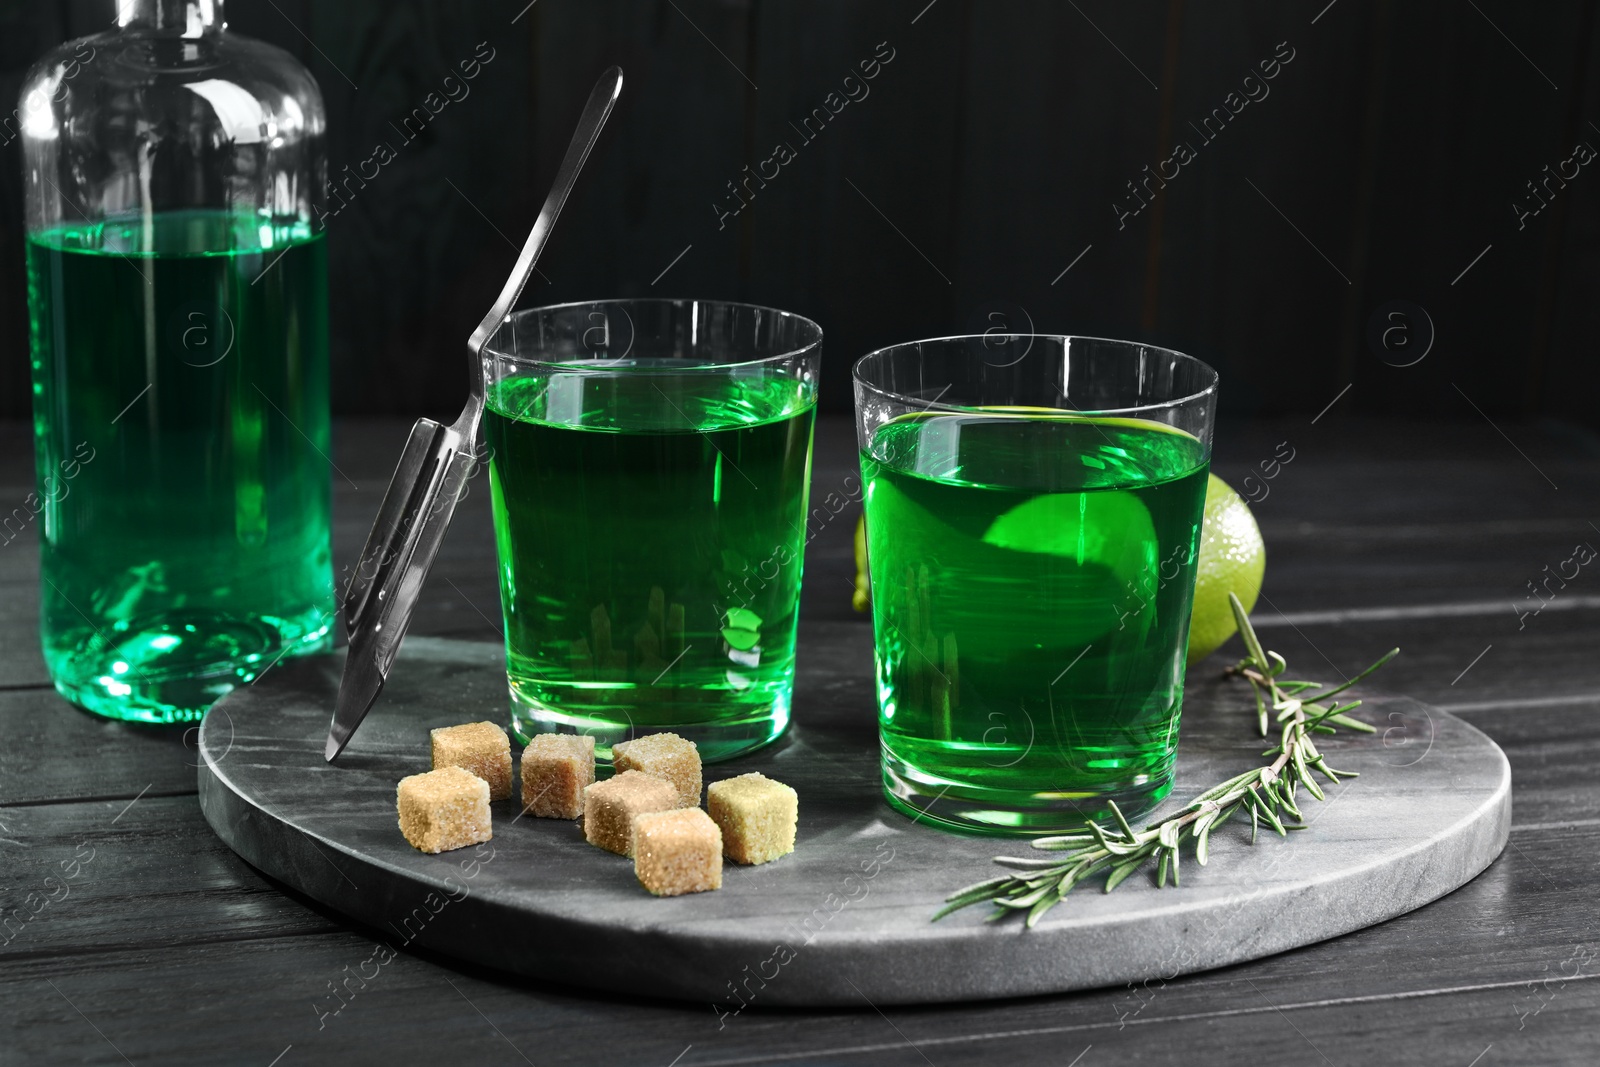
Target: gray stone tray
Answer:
[[844, 919]]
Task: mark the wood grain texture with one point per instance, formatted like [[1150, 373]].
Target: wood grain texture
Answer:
[[1475, 971], [1419, 189], [27, 31], [865, 217], [994, 145], [1237, 285], [1055, 118], [113, 875], [1554, 807], [1571, 236], [55, 752], [241, 964]]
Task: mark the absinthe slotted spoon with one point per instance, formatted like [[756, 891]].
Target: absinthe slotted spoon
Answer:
[[435, 465]]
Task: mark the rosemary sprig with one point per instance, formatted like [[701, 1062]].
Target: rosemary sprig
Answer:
[[1266, 793]]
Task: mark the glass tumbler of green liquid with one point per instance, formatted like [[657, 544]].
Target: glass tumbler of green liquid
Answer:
[[1033, 509], [177, 294], [648, 463]]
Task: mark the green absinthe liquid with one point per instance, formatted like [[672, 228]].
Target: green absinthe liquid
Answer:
[[1031, 580], [650, 525], [181, 423]]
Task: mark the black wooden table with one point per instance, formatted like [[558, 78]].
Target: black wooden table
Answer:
[[153, 943]]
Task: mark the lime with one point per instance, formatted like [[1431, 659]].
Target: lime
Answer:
[[1232, 559], [861, 599], [1112, 529]]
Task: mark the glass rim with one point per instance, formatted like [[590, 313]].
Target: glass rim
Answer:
[[856, 373], [811, 331]]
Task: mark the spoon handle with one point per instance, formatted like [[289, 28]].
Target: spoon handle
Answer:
[[595, 112]]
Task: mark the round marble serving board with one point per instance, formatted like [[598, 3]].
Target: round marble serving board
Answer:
[[844, 919]]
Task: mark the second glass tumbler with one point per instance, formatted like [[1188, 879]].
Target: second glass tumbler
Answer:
[[1033, 510]]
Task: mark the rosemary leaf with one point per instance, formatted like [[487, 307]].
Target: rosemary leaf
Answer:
[[1252, 643], [1353, 724], [1127, 831], [963, 900], [1315, 712], [971, 895], [1121, 871], [1068, 841], [1027, 863], [1036, 912], [1272, 818], [1026, 900], [1385, 658], [1304, 773]]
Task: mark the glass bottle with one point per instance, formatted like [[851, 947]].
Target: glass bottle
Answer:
[[177, 288]]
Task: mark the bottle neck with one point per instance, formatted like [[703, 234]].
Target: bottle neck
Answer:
[[187, 18]]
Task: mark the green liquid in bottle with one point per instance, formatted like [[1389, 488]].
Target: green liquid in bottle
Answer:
[[1031, 579], [650, 529], [180, 379]]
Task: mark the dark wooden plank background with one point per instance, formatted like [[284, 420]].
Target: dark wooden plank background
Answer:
[[985, 158]]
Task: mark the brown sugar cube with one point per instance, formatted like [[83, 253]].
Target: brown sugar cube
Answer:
[[757, 816], [480, 747], [663, 756], [556, 768], [444, 809], [677, 851], [610, 806]]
